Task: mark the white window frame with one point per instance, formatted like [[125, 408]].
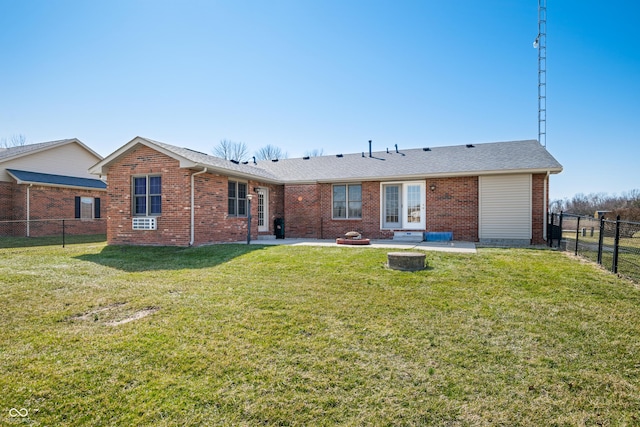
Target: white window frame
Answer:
[[347, 201], [263, 193], [404, 224], [147, 196], [237, 199]]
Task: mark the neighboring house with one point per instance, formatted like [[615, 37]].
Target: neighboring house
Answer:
[[41, 184], [160, 194]]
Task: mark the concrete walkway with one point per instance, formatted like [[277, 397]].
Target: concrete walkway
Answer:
[[459, 247]]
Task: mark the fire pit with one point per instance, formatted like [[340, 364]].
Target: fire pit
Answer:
[[352, 238]]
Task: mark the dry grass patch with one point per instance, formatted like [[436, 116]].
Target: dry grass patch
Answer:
[[113, 315]]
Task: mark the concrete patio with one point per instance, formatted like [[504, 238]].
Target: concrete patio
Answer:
[[452, 246]]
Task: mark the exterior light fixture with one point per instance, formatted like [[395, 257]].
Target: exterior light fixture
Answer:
[[432, 187]]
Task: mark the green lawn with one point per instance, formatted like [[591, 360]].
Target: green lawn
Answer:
[[247, 335]]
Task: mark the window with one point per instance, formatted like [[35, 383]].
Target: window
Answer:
[[87, 207], [347, 201], [237, 198], [391, 206], [147, 195]]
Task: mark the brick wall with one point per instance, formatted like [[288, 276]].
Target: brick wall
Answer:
[[52, 203], [7, 212], [302, 211], [539, 207], [212, 224], [368, 226], [6, 201], [19, 201], [47, 207], [212, 221], [452, 206], [276, 206], [173, 224]]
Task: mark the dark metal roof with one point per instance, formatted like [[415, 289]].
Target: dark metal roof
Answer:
[[27, 177]]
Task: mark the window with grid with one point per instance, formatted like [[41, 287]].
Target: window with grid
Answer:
[[237, 198], [147, 195], [347, 201]]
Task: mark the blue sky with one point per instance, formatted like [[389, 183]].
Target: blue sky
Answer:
[[330, 75]]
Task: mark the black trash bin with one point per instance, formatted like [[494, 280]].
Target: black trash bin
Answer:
[[278, 226]]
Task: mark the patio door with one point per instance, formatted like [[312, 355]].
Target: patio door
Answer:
[[263, 209], [404, 205], [413, 208], [391, 206]]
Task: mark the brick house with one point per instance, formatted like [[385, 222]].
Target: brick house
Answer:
[[160, 194], [42, 184]]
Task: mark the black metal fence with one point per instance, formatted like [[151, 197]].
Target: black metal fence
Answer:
[[614, 244], [52, 228]]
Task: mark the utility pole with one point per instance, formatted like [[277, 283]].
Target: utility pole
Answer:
[[541, 44]]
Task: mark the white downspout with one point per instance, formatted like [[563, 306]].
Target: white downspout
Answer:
[[545, 207], [28, 211], [193, 213]]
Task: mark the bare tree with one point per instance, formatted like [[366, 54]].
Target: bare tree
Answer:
[[230, 150], [316, 152], [557, 205], [270, 152], [582, 204], [15, 140]]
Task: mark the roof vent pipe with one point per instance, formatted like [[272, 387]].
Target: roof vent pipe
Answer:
[[397, 148], [254, 160], [370, 149], [387, 150], [363, 154]]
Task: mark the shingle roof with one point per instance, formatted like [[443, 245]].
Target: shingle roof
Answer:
[[19, 150], [202, 159], [479, 159], [26, 177]]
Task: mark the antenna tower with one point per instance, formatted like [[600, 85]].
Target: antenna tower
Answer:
[[541, 44]]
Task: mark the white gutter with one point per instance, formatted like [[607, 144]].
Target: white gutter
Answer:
[[193, 214]]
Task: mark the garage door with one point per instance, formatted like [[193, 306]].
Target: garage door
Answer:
[[505, 207]]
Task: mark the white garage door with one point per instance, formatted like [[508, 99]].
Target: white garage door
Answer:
[[505, 207]]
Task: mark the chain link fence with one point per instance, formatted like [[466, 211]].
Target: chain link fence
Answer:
[[614, 244], [56, 229]]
